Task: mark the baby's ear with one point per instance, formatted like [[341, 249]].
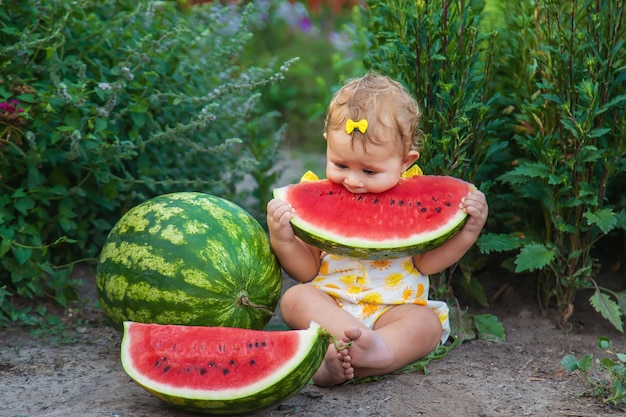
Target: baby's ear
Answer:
[[325, 136], [409, 158]]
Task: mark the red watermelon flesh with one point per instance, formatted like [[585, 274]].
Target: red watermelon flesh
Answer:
[[221, 370], [415, 216]]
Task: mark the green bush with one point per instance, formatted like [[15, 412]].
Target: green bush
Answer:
[[563, 75], [106, 104]]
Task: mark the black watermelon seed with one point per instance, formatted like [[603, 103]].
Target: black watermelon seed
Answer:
[[263, 344], [202, 371], [423, 209], [211, 364], [419, 203], [447, 204], [434, 198], [252, 362], [157, 363], [375, 201], [438, 209], [167, 368], [225, 371], [392, 202], [232, 362], [360, 198], [400, 203], [250, 345]]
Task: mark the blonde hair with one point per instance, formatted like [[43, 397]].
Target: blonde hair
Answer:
[[390, 110]]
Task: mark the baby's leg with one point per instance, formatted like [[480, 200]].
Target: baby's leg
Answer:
[[303, 303], [401, 335]]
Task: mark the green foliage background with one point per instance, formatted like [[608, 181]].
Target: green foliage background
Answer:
[[118, 102]]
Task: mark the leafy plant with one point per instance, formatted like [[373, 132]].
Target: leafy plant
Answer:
[[106, 104], [607, 379], [567, 65]]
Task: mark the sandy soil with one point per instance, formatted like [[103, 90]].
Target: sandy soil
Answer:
[[521, 377]]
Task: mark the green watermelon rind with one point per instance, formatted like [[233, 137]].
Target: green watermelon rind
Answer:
[[376, 250], [369, 249], [160, 262], [275, 389]]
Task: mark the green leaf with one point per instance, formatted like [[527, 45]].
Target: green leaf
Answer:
[[605, 219], [526, 170], [461, 324], [474, 289], [489, 328], [533, 256], [596, 133], [585, 363], [621, 301], [570, 362], [497, 242], [608, 308], [21, 254]]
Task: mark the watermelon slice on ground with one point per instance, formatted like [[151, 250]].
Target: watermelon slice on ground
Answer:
[[417, 215], [221, 370]]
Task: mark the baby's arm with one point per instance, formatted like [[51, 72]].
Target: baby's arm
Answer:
[[299, 260], [475, 205]]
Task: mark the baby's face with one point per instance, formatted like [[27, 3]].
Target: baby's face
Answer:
[[372, 170]]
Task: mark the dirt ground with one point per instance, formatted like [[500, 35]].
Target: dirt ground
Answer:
[[521, 377]]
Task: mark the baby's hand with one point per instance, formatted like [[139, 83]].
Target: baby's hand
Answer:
[[475, 205], [278, 215]]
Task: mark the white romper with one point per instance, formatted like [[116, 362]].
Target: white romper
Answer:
[[366, 289]]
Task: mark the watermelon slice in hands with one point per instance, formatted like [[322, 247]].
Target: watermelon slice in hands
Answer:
[[418, 215]]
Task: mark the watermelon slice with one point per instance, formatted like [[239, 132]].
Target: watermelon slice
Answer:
[[221, 370], [416, 216]]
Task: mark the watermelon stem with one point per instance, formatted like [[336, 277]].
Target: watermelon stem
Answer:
[[244, 300], [339, 348]]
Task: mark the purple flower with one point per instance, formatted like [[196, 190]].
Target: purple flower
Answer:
[[305, 24]]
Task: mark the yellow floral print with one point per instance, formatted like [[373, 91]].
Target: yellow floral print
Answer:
[[324, 267], [407, 293], [420, 291], [369, 309], [348, 279], [367, 288], [393, 280], [355, 289], [408, 265], [373, 297], [381, 264]]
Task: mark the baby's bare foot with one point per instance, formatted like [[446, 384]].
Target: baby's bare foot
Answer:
[[368, 349], [335, 369]]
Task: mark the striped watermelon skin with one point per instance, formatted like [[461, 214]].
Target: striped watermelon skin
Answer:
[[284, 386], [191, 259]]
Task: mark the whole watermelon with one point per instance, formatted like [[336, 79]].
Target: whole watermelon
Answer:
[[188, 258]]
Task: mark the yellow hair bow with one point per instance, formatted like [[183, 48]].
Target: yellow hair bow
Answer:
[[361, 125]]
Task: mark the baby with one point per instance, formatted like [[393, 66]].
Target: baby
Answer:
[[378, 310]]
